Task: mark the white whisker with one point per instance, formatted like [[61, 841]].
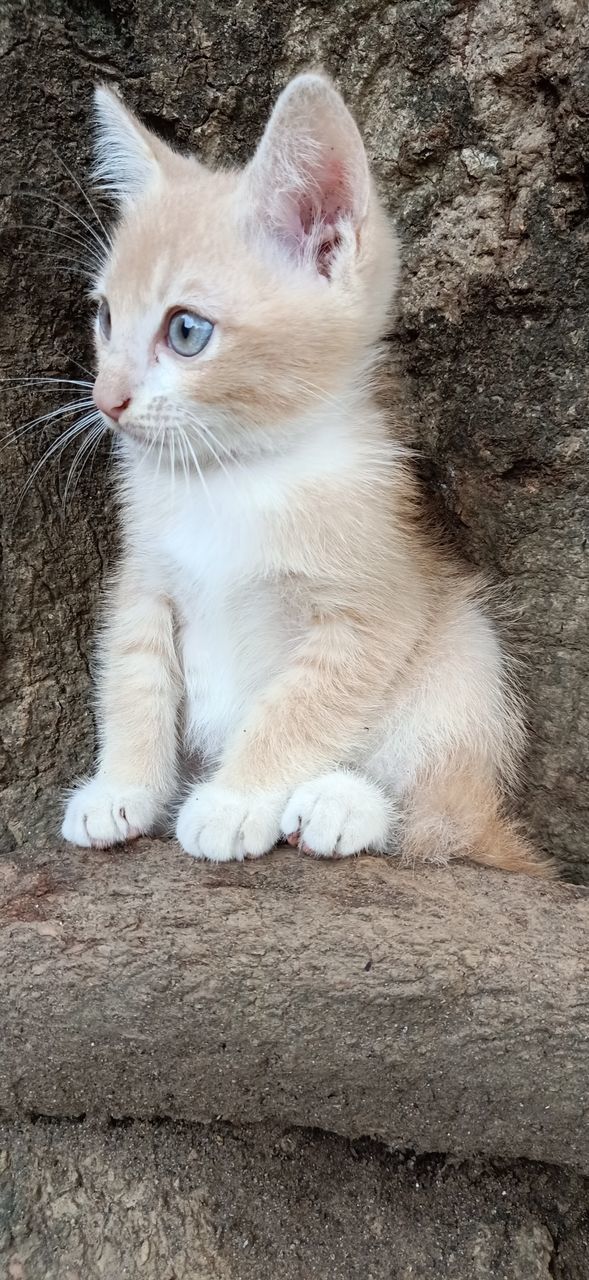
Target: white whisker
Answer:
[[200, 427], [82, 456], [159, 456], [69, 266], [98, 436], [186, 460], [42, 378], [84, 193], [173, 469], [57, 447], [213, 451], [319, 394], [200, 474], [84, 369], [101, 244], [203, 427], [97, 262], [182, 453], [62, 412]]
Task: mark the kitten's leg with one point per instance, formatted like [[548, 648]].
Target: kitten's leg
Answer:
[[138, 697], [309, 720]]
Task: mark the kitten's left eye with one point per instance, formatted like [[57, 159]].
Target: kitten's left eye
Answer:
[[188, 333], [104, 321]]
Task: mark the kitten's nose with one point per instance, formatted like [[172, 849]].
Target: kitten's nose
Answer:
[[104, 403]]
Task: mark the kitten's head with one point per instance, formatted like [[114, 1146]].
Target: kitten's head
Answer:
[[238, 302]]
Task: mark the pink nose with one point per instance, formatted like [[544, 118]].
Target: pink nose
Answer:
[[104, 403]]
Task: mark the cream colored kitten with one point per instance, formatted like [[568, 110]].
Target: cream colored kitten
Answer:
[[277, 613]]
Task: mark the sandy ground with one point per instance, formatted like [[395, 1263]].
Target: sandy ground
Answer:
[[169, 1202]]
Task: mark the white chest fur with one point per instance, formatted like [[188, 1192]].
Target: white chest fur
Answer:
[[234, 629]]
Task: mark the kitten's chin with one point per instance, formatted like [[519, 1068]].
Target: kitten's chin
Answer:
[[129, 431]]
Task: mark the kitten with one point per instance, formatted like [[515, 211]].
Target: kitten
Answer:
[[278, 610]]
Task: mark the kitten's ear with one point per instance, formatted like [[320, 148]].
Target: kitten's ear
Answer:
[[126, 154], [308, 183]]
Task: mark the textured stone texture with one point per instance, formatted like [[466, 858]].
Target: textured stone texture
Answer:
[[445, 1011], [477, 121], [163, 1202]]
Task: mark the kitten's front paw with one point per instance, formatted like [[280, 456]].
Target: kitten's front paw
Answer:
[[99, 814], [338, 814], [220, 824]]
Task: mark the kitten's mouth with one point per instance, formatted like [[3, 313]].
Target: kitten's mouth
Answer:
[[129, 429]]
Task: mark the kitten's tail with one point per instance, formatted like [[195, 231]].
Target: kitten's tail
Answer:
[[460, 815]]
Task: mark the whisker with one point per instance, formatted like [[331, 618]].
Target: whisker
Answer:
[[70, 267], [200, 427], [159, 436], [70, 236], [78, 454], [319, 393], [210, 436], [203, 427], [97, 262], [41, 378], [152, 442], [173, 469], [212, 450], [199, 473], [159, 458], [45, 418], [66, 208], [82, 455], [94, 451], [57, 447], [84, 369], [181, 442], [86, 197]]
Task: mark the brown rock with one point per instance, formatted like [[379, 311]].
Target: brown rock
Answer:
[[438, 1011]]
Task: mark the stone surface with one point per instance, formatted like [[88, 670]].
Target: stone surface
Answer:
[[170, 1202], [476, 118], [442, 1011]]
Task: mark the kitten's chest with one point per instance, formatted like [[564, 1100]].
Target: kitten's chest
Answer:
[[234, 623], [213, 560]]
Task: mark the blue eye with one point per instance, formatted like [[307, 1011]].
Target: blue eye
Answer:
[[188, 333], [104, 319]]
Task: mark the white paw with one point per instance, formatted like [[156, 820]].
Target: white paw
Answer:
[[338, 814], [221, 824], [99, 813]]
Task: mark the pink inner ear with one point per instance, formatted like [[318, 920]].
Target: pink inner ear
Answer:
[[328, 200], [311, 215]]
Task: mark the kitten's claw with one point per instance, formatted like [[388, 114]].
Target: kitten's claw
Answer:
[[99, 814], [338, 814], [221, 825]]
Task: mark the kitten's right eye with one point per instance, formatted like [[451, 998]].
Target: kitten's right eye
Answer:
[[188, 333], [104, 319]]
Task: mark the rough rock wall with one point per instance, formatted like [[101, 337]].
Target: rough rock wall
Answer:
[[476, 117], [158, 1202]]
